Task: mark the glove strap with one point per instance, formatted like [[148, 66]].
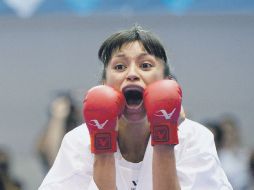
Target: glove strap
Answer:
[[103, 141], [164, 134]]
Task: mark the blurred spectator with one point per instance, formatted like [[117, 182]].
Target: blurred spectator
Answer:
[[252, 165], [233, 155], [6, 180], [64, 116]]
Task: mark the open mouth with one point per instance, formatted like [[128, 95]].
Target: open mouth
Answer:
[[133, 95]]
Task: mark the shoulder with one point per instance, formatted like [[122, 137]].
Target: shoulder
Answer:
[[195, 138], [76, 145], [74, 160], [197, 161], [192, 129], [80, 132], [78, 136]]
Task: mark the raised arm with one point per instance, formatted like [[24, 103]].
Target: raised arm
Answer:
[[102, 106], [163, 105]]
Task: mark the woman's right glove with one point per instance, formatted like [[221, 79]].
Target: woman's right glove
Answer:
[[101, 108]]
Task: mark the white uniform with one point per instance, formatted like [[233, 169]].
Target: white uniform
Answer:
[[197, 163]]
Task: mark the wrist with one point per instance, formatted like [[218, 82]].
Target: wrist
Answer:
[[104, 157], [164, 148], [104, 172], [164, 152]]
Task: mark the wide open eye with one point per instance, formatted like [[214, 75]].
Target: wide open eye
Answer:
[[145, 66], [120, 67], [133, 97]]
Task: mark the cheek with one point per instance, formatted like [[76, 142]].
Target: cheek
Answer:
[[112, 80], [152, 77]]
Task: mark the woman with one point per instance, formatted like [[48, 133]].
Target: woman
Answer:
[[138, 99]]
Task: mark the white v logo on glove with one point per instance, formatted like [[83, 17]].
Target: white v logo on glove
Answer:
[[96, 123], [164, 114]]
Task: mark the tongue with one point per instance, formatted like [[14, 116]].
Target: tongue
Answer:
[[134, 104]]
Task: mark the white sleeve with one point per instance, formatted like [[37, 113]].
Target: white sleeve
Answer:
[[72, 168], [92, 186], [199, 167]]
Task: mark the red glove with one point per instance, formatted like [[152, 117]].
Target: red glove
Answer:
[[102, 106], [162, 101]]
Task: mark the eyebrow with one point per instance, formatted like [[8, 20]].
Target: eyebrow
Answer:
[[123, 55]]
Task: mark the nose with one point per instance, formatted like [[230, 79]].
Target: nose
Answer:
[[132, 74], [133, 78]]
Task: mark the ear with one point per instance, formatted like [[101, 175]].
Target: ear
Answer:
[[169, 77], [172, 77]]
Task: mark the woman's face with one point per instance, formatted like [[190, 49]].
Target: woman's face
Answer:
[[130, 70]]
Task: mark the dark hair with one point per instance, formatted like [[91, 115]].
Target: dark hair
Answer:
[[151, 44], [251, 163]]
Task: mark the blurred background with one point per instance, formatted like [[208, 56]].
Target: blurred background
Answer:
[[48, 59]]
